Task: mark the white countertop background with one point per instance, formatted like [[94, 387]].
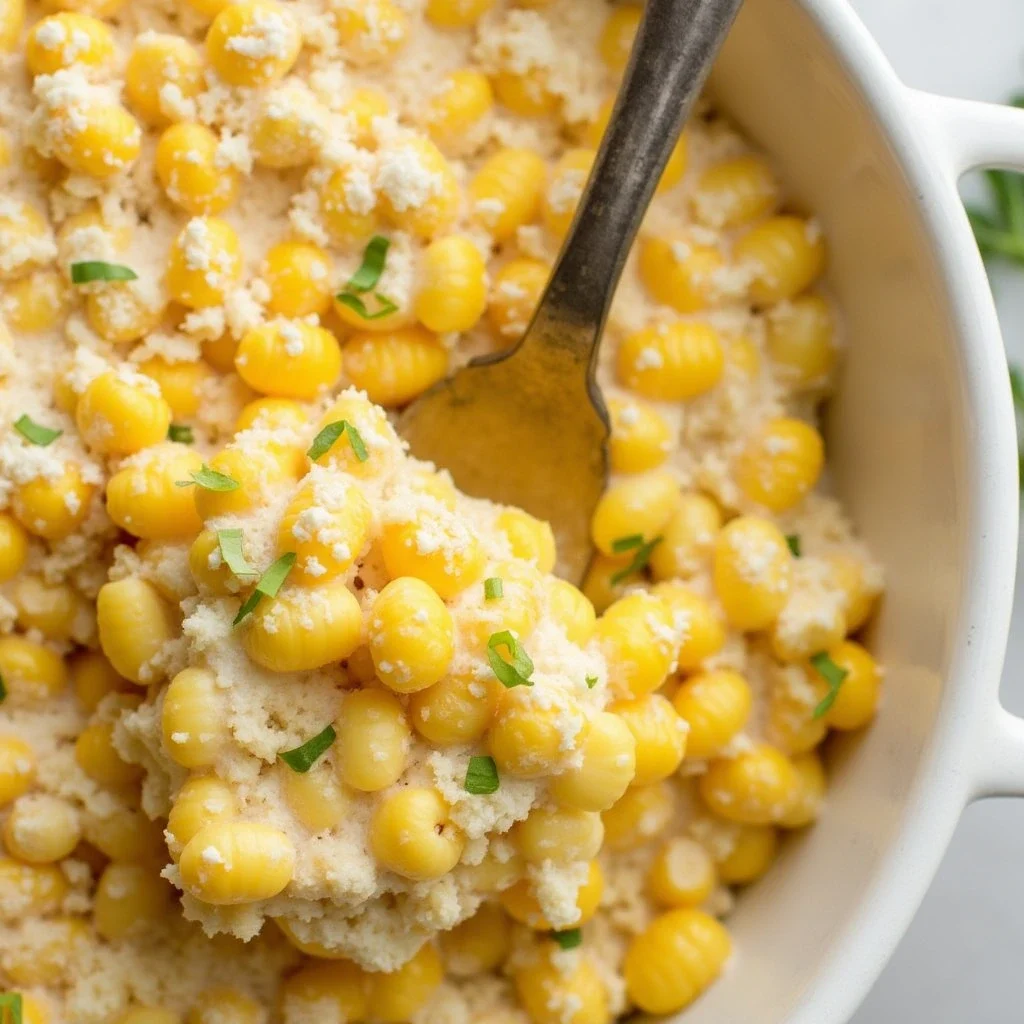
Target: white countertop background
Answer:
[[962, 962]]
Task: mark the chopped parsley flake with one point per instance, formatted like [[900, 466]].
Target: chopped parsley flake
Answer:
[[833, 674], [482, 776], [512, 673], [36, 433], [302, 758]]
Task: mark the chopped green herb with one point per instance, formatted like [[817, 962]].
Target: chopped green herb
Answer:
[[98, 270], [568, 939], [210, 480], [356, 304], [301, 759], [482, 776], [517, 672], [834, 675], [493, 587], [230, 542], [3, 690], [1017, 386], [268, 586], [999, 230], [10, 1008], [640, 558], [793, 542], [180, 432], [374, 257], [324, 441], [36, 433], [591, 682]]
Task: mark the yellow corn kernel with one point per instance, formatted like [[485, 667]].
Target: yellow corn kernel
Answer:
[[181, 384], [681, 273], [529, 538], [257, 473], [717, 705], [704, 631], [750, 855], [463, 98], [134, 623], [860, 591], [532, 737], [641, 437], [290, 127], [208, 568], [348, 206], [607, 766], [456, 13], [433, 484], [374, 428], [205, 260], [450, 565], [125, 835], [191, 171], [99, 759], [638, 637], [526, 93], [616, 42], [93, 677], [273, 414], [433, 209], [230, 862], [795, 693], [17, 767], [362, 107], [495, 873], [119, 414], [48, 959], [398, 996], [636, 506], [412, 835], [129, 897], [395, 367], [194, 731], [683, 874], [660, 735], [24, 241], [143, 498], [371, 31], [810, 795], [479, 944], [781, 462], [30, 671], [254, 42], [453, 288], [301, 630], [163, 73], [65, 39], [757, 787], [298, 275], [13, 547], [506, 192], [675, 959], [688, 538], [289, 359], [515, 292], [520, 901], [99, 140], [671, 362], [571, 609], [568, 180], [29, 889], [801, 341], [57, 610], [457, 710], [327, 991], [812, 619], [857, 701], [562, 993], [225, 1005], [642, 813], [316, 798], [411, 635], [373, 740], [516, 610], [35, 303], [785, 256], [12, 20], [560, 835], [201, 801], [327, 527], [735, 192], [36, 1011], [752, 567], [148, 1015], [119, 313]]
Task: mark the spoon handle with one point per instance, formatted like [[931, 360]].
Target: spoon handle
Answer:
[[673, 53]]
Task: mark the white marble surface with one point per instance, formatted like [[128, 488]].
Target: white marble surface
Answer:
[[961, 961]]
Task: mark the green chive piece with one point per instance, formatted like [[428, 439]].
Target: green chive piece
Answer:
[[230, 542], [833, 674], [514, 673], [793, 543], [369, 273], [324, 441], [482, 776], [356, 304], [1017, 385], [493, 588], [98, 270], [210, 480], [591, 682], [623, 544], [36, 433], [301, 759], [269, 584], [10, 1008], [640, 559], [180, 432], [569, 939]]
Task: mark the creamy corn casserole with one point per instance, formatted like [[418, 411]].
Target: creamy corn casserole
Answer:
[[290, 729]]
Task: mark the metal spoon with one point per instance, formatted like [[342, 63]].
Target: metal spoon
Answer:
[[528, 427]]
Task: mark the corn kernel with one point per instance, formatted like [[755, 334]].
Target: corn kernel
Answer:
[[205, 260], [373, 740], [717, 705], [533, 737], [453, 290], [12, 20], [636, 506], [559, 835], [231, 862], [515, 292], [568, 180], [639, 815], [607, 766], [801, 341], [298, 275], [194, 731], [145, 500], [458, 709], [751, 854], [66, 39], [331, 991], [289, 359], [24, 240], [120, 313], [671, 362], [192, 172], [780, 463], [572, 610], [128, 898], [17, 768], [660, 735], [681, 273], [479, 944], [125, 835], [201, 801], [225, 1005], [99, 140], [29, 889], [253, 42], [258, 474], [290, 127], [395, 367], [527, 94], [371, 31], [134, 623], [451, 562], [347, 205], [456, 13], [810, 794], [641, 438], [412, 835], [520, 901], [687, 538], [93, 677], [857, 701], [735, 192], [463, 98], [13, 547], [163, 73], [429, 214], [757, 787], [35, 303], [30, 671], [118, 415], [682, 875], [639, 638], [505, 194], [555, 993], [398, 996], [752, 569], [786, 255], [620, 28]]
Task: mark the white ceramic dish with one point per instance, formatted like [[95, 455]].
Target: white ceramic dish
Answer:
[[923, 450]]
